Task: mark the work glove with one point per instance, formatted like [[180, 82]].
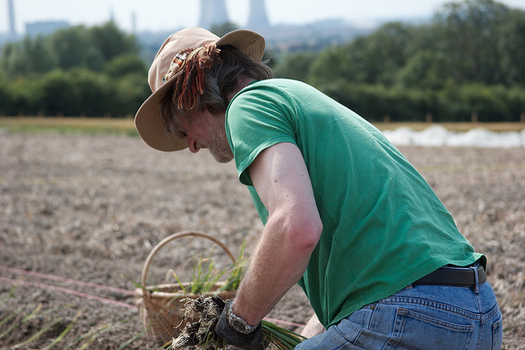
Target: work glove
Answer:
[[237, 336]]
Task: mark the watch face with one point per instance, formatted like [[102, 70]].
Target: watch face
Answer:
[[239, 325]]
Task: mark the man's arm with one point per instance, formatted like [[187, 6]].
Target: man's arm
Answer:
[[290, 235]]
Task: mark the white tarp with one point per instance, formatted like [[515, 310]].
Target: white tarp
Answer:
[[438, 136]]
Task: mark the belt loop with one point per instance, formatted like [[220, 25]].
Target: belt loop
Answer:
[[476, 278]]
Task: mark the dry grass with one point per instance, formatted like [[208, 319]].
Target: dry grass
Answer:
[[126, 125], [459, 127], [68, 125]]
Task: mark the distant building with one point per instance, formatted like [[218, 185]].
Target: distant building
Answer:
[[213, 12], [258, 18], [45, 27]]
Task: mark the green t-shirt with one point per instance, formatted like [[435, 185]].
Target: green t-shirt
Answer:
[[383, 226]]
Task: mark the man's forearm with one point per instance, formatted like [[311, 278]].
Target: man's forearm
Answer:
[[278, 262]]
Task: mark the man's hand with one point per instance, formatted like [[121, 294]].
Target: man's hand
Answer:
[[245, 339], [313, 328]]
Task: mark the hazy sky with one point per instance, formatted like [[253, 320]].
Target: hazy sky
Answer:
[[158, 15]]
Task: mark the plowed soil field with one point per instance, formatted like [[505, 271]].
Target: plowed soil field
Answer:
[[78, 209]]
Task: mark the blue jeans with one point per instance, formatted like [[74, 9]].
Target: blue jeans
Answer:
[[420, 317]]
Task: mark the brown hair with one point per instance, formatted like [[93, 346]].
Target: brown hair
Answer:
[[206, 81]]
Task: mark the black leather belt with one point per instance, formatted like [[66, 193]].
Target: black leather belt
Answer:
[[454, 276]]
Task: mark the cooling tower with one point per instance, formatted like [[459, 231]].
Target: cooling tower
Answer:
[[213, 12], [258, 18]]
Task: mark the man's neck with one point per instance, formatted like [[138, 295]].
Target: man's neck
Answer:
[[243, 82]]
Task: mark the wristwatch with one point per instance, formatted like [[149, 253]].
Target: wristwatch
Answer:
[[238, 323]]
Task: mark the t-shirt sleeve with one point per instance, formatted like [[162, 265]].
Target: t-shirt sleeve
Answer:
[[257, 119]]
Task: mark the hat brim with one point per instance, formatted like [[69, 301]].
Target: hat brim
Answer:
[[148, 119]]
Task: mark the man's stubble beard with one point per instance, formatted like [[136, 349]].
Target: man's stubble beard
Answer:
[[220, 148]]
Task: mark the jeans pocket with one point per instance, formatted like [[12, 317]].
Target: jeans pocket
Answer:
[[414, 330], [497, 334]]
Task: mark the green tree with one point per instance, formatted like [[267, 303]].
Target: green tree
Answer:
[[295, 66], [39, 56], [468, 32], [67, 48], [372, 59], [26, 57], [132, 90], [60, 96], [334, 64], [24, 97], [511, 42], [426, 69], [125, 64], [386, 52], [111, 42], [74, 47], [95, 92], [12, 60], [5, 98], [128, 75]]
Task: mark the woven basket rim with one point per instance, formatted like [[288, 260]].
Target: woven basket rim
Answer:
[[174, 237], [159, 290]]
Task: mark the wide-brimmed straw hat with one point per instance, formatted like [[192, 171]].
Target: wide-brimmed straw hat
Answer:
[[148, 120]]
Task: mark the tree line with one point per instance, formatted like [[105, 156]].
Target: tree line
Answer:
[[76, 71], [467, 62]]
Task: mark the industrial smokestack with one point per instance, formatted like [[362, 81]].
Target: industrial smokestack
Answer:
[[258, 19], [134, 23], [12, 24], [213, 12]]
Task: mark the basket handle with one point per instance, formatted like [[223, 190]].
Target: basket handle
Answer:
[[171, 238]]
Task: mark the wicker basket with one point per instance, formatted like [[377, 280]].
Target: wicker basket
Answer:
[[160, 306]]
